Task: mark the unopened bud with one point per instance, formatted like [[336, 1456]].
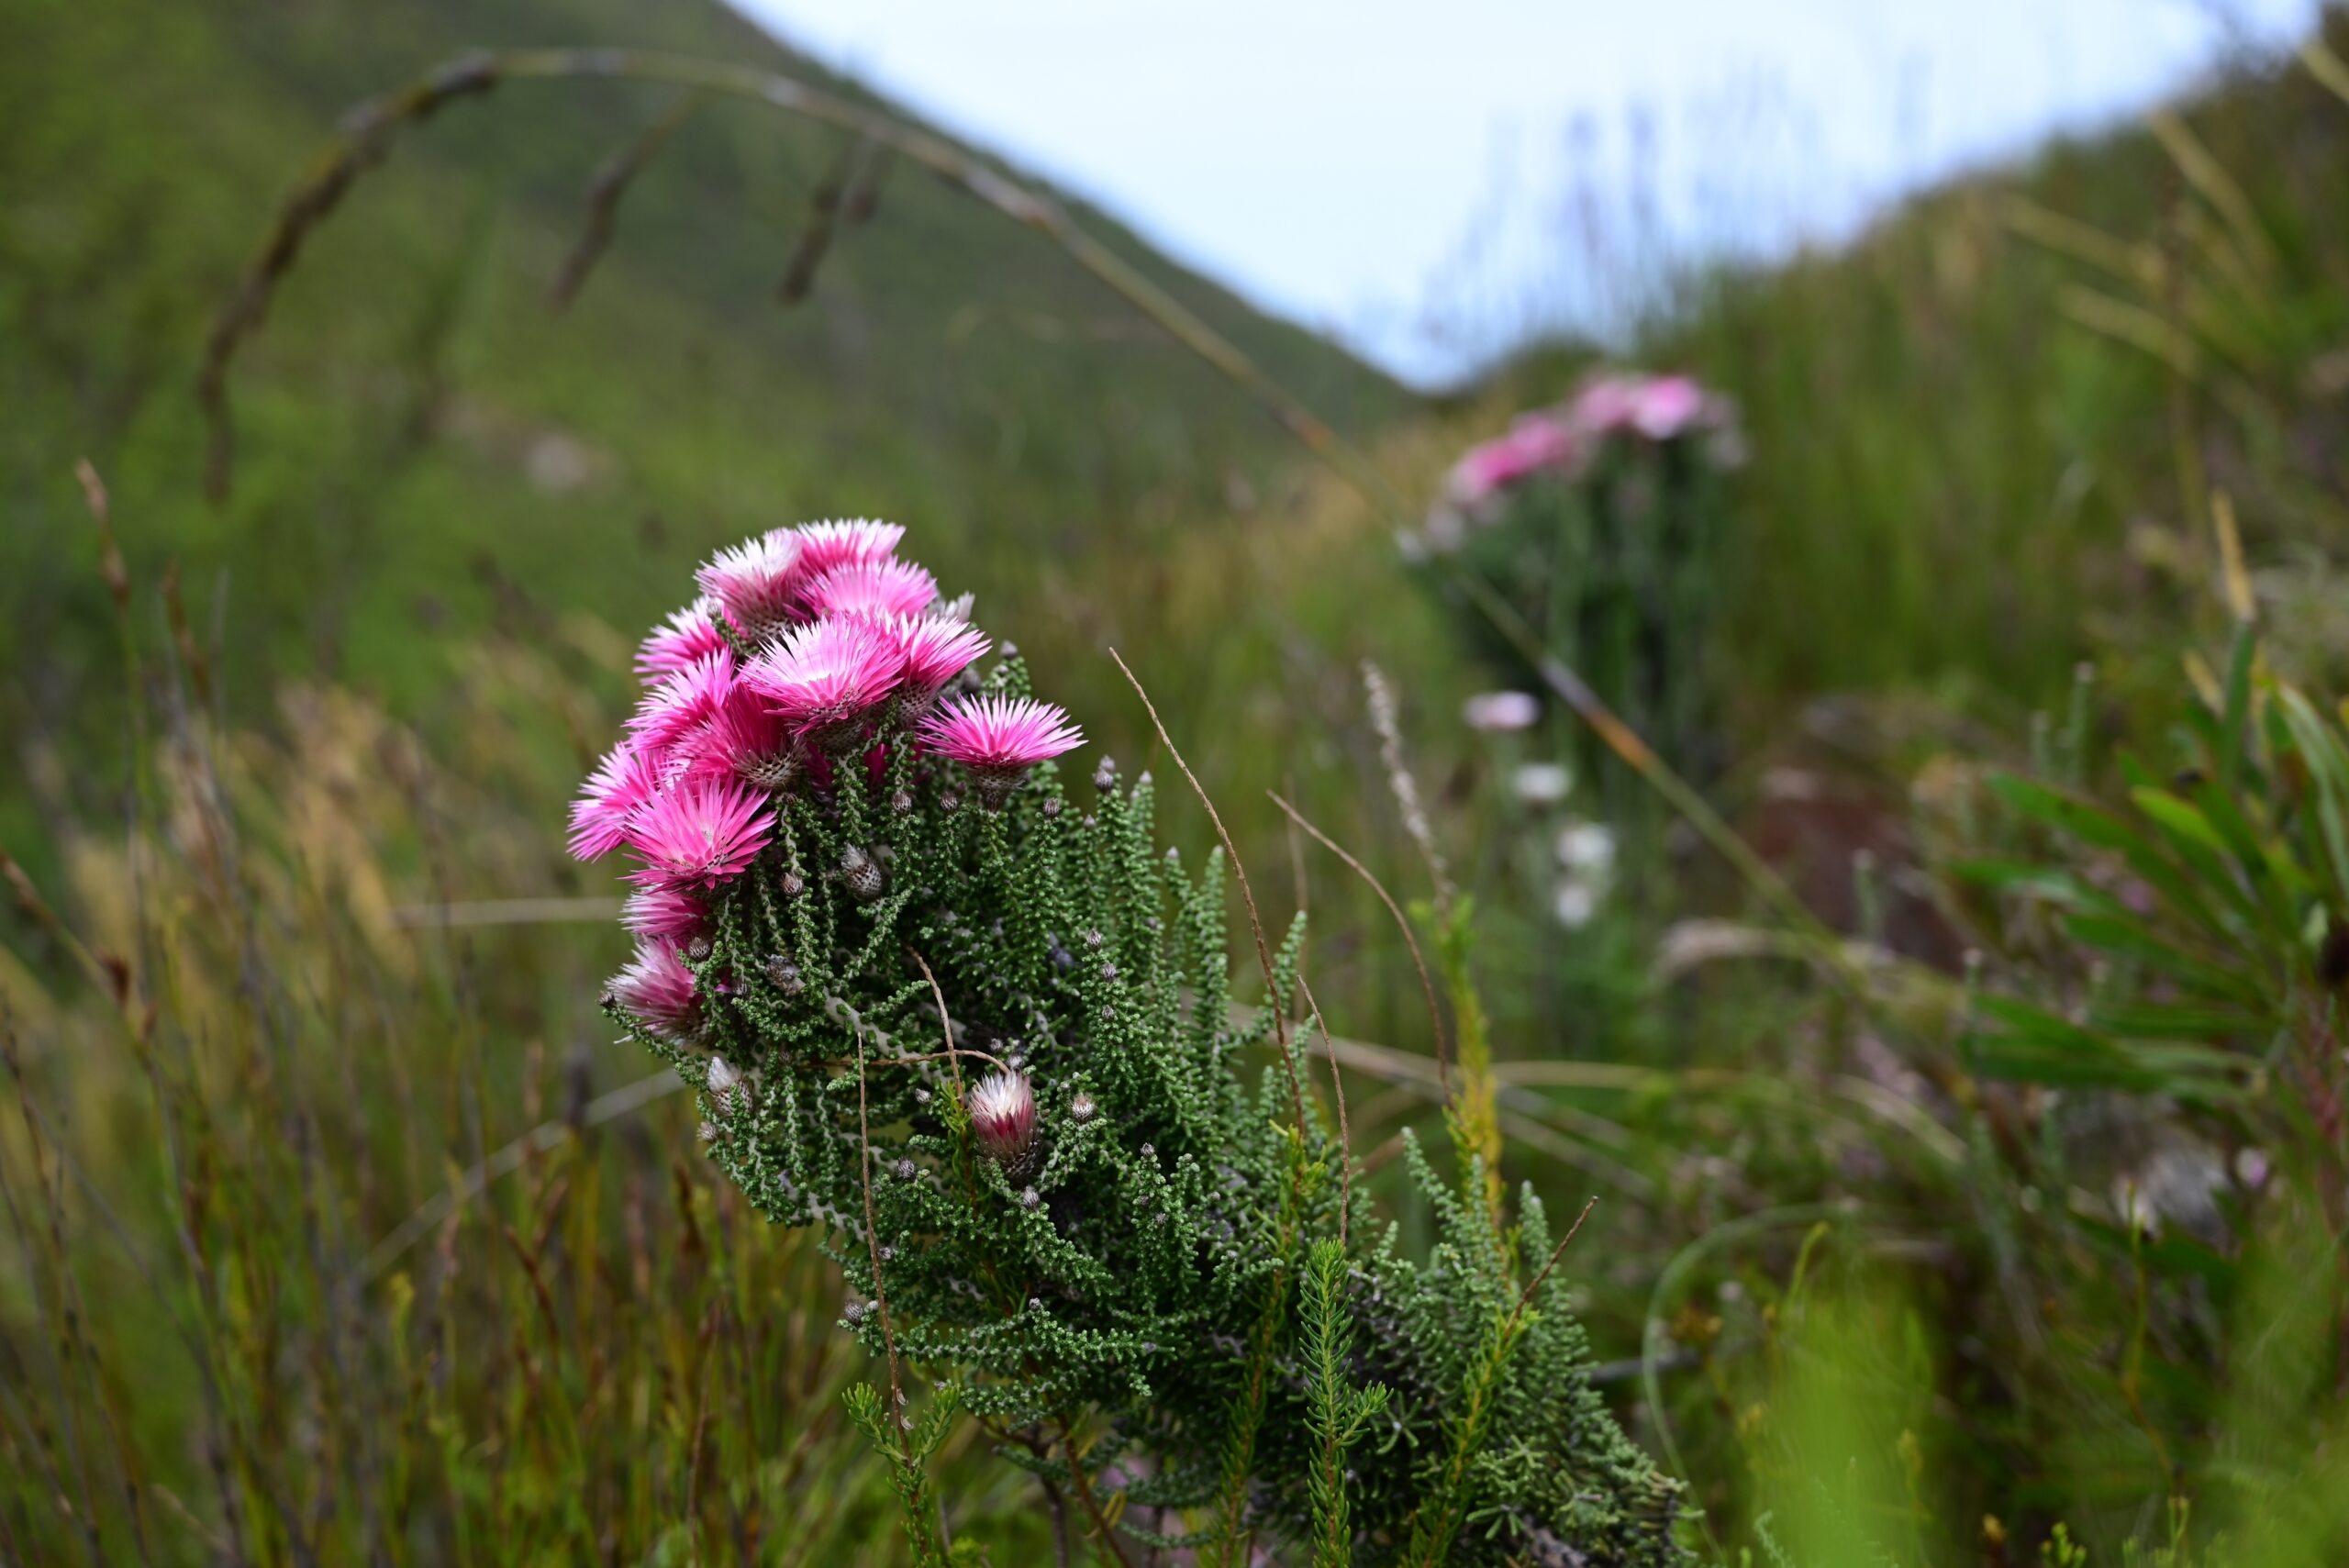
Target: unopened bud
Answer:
[[1003, 1115], [794, 884], [901, 802], [861, 874], [1028, 1199], [1083, 1108], [697, 949], [904, 1169], [1104, 777], [1093, 937], [1051, 808], [785, 975]]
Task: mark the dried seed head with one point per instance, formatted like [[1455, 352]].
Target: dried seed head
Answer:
[[1083, 1108], [785, 975], [950, 801], [708, 1133], [861, 875], [722, 1078], [1003, 1115]]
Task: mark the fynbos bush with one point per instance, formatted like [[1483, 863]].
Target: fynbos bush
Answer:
[[979, 1030]]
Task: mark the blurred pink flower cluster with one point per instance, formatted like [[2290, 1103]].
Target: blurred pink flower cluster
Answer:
[[1564, 441], [811, 651]]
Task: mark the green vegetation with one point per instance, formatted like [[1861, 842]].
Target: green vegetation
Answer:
[[1998, 1221]]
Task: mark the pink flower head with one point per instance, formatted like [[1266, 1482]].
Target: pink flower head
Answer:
[[658, 988], [683, 702], [1537, 442], [1003, 1115], [1667, 405], [1496, 711], [743, 739], [663, 912], [999, 738], [884, 587], [622, 782], [698, 832], [824, 677], [1606, 403], [935, 650], [757, 582], [690, 634], [858, 542]]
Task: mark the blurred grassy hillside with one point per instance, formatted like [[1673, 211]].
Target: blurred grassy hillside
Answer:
[[427, 445]]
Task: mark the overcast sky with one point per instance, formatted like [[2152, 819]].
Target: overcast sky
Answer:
[[1428, 180]]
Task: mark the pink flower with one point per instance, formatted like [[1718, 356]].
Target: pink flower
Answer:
[[824, 676], [998, 739], [757, 583], [934, 650], [744, 738], [1494, 711], [622, 782], [886, 587], [658, 988], [663, 912], [856, 542], [1535, 442], [683, 702], [1667, 405], [1003, 1115], [1606, 403], [691, 633], [700, 832]]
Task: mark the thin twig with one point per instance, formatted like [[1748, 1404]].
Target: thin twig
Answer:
[[604, 193], [1526, 1299], [1255, 925], [945, 1024], [1427, 986], [1346, 1133], [1084, 1488]]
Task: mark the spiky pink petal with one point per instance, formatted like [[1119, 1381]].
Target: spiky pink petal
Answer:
[[698, 832], [886, 587], [855, 542], [662, 912], [658, 988], [622, 782], [757, 583], [995, 733], [744, 738], [689, 634], [683, 702], [935, 650], [824, 676], [1003, 1115]]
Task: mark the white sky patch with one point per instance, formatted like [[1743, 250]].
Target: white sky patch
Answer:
[[1429, 182]]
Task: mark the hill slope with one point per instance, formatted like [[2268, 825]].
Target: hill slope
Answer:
[[426, 443]]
